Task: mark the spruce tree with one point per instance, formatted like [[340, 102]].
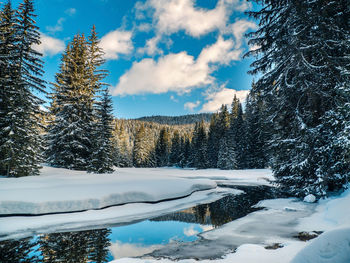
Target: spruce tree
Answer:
[[237, 133], [162, 148], [256, 133], [303, 57], [21, 144], [140, 153], [175, 152], [200, 146], [213, 141], [70, 134], [101, 157]]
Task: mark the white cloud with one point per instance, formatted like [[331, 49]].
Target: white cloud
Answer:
[[121, 250], [190, 231], [151, 46], [239, 28], [173, 72], [49, 45], [115, 43], [144, 27], [56, 28], [191, 105], [174, 15], [70, 11], [224, 96], [239, 5], [221, 52], [178, 72]]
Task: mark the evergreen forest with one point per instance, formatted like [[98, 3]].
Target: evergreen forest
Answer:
[[295, 120]]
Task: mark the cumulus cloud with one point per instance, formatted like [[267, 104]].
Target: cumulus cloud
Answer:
[[151, 47], [239, 28], [171, 16], [173, 72], [115, 43], [223, 96], [178, 72], [49, 46], [191, 105], [70, 11], [174, 15], [121, 250], [221, 52]]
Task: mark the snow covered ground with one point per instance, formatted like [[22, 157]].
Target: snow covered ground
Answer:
[[62, 190]]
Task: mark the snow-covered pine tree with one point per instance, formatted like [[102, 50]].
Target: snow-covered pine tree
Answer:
[[226, 156], [7, 89], [213, 141], [162, 149], [186, 160], [122, 153], [101, 160], [237, 134], [256, 138], [140, 152], [200, 146], [303, 54], [101, 156], [21, 142], [70, 133], [175, 152]]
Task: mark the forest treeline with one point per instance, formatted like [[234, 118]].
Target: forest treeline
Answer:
[[233, 139], [296, 119], [178, 120]]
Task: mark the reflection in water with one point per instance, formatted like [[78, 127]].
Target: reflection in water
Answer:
[[224, 210], [132, 240], [70, 247], [84, 246], [17, 251]]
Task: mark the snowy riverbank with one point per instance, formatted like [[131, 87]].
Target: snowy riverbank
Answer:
[[61, 190], [278, 223]]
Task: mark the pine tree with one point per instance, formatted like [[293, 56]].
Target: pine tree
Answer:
[[7, 90], [200, 146], [140, 153], [162, 148], [122, 148], [213, 141], [175, 152], [237, 134], [70, 133], [256, 138], [21, 144], [101, 159], [186, 160], [304, 59]]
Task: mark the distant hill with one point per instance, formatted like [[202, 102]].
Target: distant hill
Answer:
[[178, 120]]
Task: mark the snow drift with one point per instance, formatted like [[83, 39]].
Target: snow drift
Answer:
[[62, 190]]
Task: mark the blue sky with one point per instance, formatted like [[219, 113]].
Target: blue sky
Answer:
[[165, 57]]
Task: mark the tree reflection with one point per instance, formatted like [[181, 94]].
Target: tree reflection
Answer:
[[74, 247], [18, 251], [69, 247]]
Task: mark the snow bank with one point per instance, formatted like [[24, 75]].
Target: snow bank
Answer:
[[62, 190], [23, 226], [330, 247], [330, 214], [252, 177]]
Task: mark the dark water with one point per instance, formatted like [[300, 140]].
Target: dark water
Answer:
[[103, 245]]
